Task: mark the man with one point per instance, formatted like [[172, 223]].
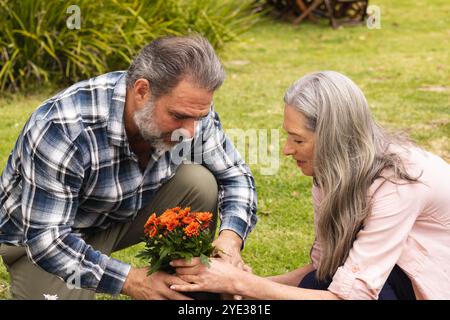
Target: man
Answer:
[[94, 161]]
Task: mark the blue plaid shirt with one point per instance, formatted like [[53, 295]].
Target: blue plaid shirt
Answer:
[[72, 170]]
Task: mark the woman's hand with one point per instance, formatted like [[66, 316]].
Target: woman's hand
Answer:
[[220, 276]]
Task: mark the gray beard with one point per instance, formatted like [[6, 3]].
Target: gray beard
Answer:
[[148, 129]]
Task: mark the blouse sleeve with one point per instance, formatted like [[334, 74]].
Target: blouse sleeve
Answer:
[[379, 244]]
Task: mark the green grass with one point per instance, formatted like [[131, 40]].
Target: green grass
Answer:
[[397, 67]]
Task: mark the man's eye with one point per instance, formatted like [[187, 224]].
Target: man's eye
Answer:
[[298, 141], [182, 117], [178, 117]]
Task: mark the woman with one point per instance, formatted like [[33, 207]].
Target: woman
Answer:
[[381, 207]]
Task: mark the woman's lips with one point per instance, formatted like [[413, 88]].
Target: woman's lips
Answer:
[[300, 163]]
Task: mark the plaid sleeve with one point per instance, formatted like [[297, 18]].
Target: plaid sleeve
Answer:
[[52, 169], [237, 192]]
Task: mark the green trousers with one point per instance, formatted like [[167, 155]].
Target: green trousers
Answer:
[[192, 185]]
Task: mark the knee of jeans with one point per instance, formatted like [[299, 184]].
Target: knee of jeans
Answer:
[[200, 183]]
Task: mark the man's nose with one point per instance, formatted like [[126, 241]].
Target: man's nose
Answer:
[[189, 126]]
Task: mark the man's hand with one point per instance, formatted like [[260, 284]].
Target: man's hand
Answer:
[[228, 247], [154, 287]]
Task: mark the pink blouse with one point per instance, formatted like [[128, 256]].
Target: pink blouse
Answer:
[[409, 226]]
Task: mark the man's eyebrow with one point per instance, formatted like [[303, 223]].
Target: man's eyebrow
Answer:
[[186, 116]]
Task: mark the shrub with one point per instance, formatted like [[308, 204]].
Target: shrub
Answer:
[[36, 44]]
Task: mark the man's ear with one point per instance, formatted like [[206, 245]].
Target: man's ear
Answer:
[[142, 90]]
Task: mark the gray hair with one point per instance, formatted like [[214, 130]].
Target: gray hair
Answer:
[[351, 151], [168, 60]]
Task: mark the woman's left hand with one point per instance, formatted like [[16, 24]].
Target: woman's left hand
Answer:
[[219, 276]]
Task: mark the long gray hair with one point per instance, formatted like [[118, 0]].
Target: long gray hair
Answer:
[[351, 151], [167, 60]]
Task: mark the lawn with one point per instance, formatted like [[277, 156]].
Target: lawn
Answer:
[[402, 68]]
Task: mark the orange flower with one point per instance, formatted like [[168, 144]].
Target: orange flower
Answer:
[[151, 220], [192, 229], [172, 225], [188, 219], [205, 225], [169, 220], [151, 232], [176, 209], [193, 222], [150, 226], [203, 216], [184, 212]]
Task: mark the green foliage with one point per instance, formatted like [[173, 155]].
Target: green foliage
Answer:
[[38, 46]]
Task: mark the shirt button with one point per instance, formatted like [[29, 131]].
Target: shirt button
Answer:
[[355, 269]]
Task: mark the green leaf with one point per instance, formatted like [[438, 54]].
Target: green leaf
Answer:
[[155, 267], [204, 259]]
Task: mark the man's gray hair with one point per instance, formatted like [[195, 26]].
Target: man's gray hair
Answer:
[[168, 60]]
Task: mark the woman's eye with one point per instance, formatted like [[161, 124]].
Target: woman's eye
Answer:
[[298, 141]]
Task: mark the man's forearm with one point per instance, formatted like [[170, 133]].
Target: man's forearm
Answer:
[[130, 282], [232, 238]]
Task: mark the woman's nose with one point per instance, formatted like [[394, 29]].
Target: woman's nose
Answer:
[[288, 150]]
